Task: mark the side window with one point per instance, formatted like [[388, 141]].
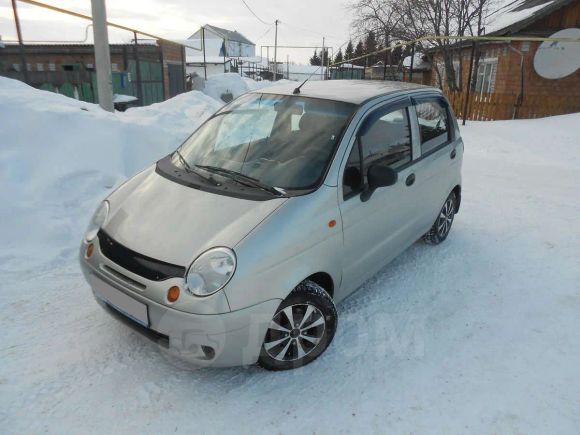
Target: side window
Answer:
[[385, 137], [433, 124]]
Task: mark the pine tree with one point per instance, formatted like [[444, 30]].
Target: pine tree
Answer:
[[359, 51], [325, 52], [370, 46], [338, 58], [348, 53], [315, 59]]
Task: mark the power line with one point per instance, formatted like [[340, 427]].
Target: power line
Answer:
[[254, 14], [265, 33]]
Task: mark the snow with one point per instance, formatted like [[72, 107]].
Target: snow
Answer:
[[418, 62], [121, 98], [506, 16], [477, 335]]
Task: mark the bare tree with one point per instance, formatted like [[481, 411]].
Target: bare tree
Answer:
[[408, 20], [383, 17]]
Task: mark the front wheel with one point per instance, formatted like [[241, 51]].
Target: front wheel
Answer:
[[440, 229], [301, 330]]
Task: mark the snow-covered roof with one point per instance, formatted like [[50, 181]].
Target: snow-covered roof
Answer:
[[513, 16], [418, 62], [350, 65], [220, 59]]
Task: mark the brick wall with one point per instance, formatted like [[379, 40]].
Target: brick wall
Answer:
[[508, 72]]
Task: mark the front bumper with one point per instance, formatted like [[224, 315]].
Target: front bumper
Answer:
[[228, 339]]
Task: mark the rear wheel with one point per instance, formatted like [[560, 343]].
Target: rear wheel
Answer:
[[301, 330], [442, 225]]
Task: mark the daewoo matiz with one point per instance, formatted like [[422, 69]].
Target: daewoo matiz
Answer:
[[235, 248]]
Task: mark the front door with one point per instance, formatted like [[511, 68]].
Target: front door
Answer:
[[436, 171], [378, 228]]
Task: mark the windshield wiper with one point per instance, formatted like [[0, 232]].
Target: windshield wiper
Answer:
[[189, 169], [244, 179]]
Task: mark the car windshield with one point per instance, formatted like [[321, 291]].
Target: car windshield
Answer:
[[268, 141]]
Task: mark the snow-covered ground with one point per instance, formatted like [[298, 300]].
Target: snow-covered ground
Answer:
[[478, 335]]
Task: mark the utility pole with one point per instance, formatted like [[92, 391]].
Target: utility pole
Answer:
[[138, 70], [102, 55], [276, 51], [322, 61], [203, 47], [20, 44]]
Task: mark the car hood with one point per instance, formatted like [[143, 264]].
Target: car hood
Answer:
[[167, 221]]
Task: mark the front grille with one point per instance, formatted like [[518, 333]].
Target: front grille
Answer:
[[147, 267], [123, 278]]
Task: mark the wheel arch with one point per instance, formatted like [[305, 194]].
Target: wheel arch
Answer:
[[324, 280]]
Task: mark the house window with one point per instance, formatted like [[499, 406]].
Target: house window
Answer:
[[51, 67], [39, 67], [115, 67], [486, 76], [16, 66]]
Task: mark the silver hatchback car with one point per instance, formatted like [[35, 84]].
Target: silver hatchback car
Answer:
[[235, 248]]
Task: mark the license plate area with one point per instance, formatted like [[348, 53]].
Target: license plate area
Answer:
[[126, 305]]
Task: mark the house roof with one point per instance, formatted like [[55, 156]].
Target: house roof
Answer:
[[515, 16], [419, 63], [230, 35]]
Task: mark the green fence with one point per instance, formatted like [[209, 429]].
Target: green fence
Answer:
[[82, 84]]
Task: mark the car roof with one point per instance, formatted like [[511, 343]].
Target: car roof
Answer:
[[349, 91]]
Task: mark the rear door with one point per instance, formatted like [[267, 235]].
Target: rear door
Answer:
[[437, 166]]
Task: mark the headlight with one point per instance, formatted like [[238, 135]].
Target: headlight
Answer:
[[211, 271], [97, 221]]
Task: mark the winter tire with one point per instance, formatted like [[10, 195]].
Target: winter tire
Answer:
[[301, 330], [440, 229]]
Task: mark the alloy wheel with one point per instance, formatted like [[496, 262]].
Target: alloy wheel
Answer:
[[446, 218], [294, 332]]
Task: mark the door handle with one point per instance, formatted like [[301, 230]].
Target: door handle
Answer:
[[453, 154], [410, 179]]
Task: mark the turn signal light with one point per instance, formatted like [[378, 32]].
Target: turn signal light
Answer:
[[90, 250], [173, 294]]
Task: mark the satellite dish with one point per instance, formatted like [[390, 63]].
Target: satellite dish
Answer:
[[558, 59]]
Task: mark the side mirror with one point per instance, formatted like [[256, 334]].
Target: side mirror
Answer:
[[379, 175]]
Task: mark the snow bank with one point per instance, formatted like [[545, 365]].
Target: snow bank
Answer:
[[60, 155]]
